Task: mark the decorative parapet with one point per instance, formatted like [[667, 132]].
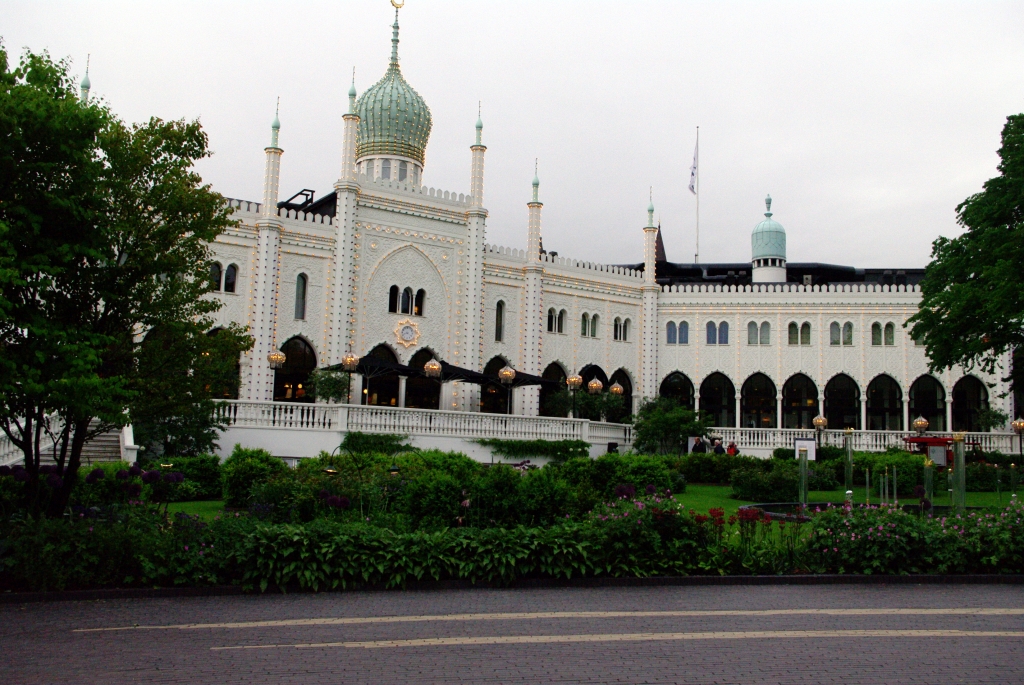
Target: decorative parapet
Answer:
[[255, 209], [790, 288], [546, 258], [419, 192]]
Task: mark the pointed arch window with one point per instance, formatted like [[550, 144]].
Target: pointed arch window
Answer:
[[752, 337], [670, 333], [420, 303], [407, 301], [385, 169], [794, 333], [593, 325], [890, 334], [230, 277], [847, 333], [834, 334], [215, 274], [684, 333], [300, 296], [403, 171], [617, 329], [805, 334], [712, 333], [585, 326], [876, 334], [766, 333], [499, 321], [561, 321], [369, 168], [551, 320], [625, 331], [723, 333]]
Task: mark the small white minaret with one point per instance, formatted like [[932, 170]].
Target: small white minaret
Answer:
[[649, 315], [533, 306], [466, 349], [768, 249], [86, 84], [341, 328], [476, 182], [264, 293]]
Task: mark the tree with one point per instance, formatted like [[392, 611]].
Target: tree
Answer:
[[329, 385], [104, 232], [972, 304], [662, 426]]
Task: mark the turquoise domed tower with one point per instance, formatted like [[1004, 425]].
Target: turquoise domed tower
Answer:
[[768, 249], [394, 126]]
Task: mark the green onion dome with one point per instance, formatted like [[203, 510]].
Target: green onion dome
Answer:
[[769, 237], [393, 118]]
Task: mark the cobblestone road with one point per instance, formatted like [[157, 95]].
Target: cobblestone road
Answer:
[[762, 634]]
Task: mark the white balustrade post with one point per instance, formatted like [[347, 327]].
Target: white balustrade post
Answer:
[[401, 390]]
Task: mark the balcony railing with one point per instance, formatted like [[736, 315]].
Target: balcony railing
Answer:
[[863, 441]]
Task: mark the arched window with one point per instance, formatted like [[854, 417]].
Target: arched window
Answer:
[[230, 276], [928, 400], [393, 299], [969, 398], [499, 321], [421, 301], [215, 273], [885, 404], [554, 398], [300, 296], [385, 169], [842, 402], [876, 334], [593, 326], [407, 301], [799, 402], [670, 333], [617, 329], [585, 326], [712, 333], [834, 334], [794, 333], [403, 170], [620, 413], [847, 333], [757, 402], [805, 334], [381, 389], [493, 396], [290, 380], [723, 333], [766, 333], [369, 168], [561, 321], [890, 334], [684, 333], [718, 399], [677, 386], [415, 175], [551, 320], [625, 331], [422, 392], [752, 333]]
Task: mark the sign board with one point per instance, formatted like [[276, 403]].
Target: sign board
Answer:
[[805, 444], [937, 454]]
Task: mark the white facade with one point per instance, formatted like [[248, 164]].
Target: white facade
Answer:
[[379, 233]]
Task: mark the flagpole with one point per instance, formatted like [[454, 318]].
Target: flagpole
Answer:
[[696, 256]]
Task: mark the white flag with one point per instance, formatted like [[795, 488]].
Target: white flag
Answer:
[[693, 170]]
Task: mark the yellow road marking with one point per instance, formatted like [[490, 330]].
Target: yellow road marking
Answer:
[[638, 637], [536, 615]]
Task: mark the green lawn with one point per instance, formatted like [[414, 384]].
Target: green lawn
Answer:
[[206, 510]]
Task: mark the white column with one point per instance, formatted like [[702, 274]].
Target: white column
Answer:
[[906, 411], [402, 380], [356, 395], [533, 308], [341, 285], [778, 402], [649, 312], [949, 411], [863, 410], [739, 416], [264, 280], [469, 296]]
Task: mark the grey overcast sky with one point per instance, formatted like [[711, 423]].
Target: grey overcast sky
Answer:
[[868, 122]]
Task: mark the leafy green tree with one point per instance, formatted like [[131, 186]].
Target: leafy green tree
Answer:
[[602, 405], [973, 290], [329, 385], [104, 233], [662, 426]]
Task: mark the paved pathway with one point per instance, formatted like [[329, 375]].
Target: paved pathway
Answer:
[[763, 634]]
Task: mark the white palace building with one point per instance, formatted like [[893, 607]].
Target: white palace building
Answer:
[[397, 273]]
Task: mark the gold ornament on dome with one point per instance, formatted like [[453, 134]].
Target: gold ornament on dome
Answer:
[[407, 333], [397, 5]]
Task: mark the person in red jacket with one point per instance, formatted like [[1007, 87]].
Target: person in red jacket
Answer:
[[733, 449]]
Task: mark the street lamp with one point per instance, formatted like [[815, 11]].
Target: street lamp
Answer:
[[595, 386], [820, 424], [350, 363], [1018, 428], [432, 369], [574, 382], [616, 389], [507, 375], [276, 359], [920, 425]]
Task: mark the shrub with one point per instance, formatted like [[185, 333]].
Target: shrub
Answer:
[[435, 501], [202, 475], [245, 469], [714, 469], [382, 443], [779, 484], [556, 450], [663, 425]]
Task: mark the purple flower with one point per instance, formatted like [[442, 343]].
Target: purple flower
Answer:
[[150, 477], [54, 481], [624, 490], [121, 475], [651, 489], [95, 475], [134, 490], [323, 494], [135, 470]]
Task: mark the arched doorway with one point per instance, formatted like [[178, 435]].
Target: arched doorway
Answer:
[[885, 404], [928, 399], [554, 400], [799, 402], [290, 379], [680, 388], [757, 402], [842, 402], [969, 397], [422, 392], [494, 396], [718, 400], [585, 409], [382, 390], [619, 415]]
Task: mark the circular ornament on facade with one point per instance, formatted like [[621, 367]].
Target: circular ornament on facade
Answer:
[[407, 333]]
